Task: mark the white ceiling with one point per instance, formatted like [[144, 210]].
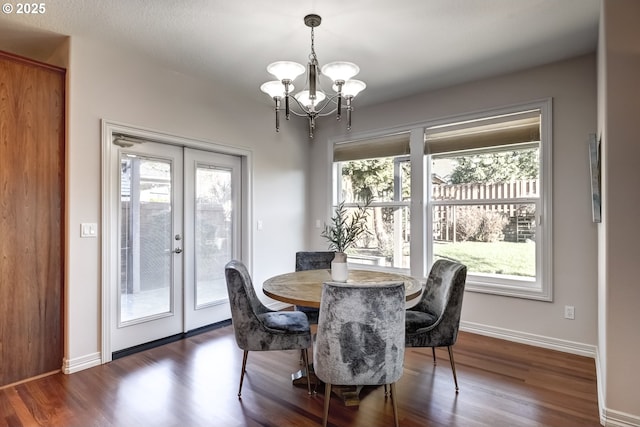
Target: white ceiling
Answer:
[[402, 47]]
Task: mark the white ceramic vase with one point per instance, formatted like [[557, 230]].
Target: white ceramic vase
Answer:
[[339, 270]]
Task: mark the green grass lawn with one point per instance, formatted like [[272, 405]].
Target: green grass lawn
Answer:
[[508, 258]]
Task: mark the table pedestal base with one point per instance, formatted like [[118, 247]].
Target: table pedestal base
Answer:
[[349, 394]]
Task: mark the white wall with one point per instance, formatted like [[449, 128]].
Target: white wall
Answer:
[[619, 235], [109, 82], [572, 85]]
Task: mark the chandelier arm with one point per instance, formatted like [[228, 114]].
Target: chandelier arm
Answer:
[[317, 114], [331, 98], [302, 107], [328, 113], [332, 102], [295, 113], [320, 112]]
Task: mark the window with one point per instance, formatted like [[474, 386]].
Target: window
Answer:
[[486, 202], [381, 171]]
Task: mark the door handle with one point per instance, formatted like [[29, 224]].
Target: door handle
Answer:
[[177, 251]]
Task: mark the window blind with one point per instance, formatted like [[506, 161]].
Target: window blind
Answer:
[[370, 148], [508, 129], [516, 128]]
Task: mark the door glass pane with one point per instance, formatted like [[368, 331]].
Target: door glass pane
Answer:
[[213, 233], [146, 238]]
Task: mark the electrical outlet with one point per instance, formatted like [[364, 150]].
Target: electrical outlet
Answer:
[[569, 312]]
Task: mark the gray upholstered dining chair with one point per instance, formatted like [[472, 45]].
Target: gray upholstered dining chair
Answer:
[[435, 320], [312, 261], [360, 337], [256, 327]]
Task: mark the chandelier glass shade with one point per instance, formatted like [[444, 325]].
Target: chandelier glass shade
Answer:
[[312, 101]]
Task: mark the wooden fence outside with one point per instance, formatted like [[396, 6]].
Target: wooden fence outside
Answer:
[[520, 217]]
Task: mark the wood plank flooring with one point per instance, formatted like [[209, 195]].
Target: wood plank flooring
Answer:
[[193, 382]]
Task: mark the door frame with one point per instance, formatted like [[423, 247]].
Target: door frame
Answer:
[[109, 225]]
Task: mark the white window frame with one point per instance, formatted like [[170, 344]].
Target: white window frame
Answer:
[[421, 207]]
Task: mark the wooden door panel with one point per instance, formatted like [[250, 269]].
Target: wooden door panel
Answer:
[[31, 218]]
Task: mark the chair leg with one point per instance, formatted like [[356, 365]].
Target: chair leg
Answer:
[[394, 403], [453, 367], [244, 365], [305, 359], [327, 399], [433, 350]]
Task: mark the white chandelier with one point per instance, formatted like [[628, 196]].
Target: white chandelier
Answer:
[[313, 102]]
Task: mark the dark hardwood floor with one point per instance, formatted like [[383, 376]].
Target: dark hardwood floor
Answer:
[[193, 382]]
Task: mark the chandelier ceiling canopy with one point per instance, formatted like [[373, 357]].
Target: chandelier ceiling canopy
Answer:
[[312, 101]]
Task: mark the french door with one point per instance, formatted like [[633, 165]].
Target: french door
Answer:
[[212, 233], [178, 224]]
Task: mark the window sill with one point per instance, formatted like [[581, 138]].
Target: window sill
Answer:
[[533, 292], [476, 284]]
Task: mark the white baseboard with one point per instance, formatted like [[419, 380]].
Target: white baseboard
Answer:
[[531, 339], [70, 366], [611, 418]]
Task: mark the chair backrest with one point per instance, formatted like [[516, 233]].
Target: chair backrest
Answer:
[[314, 260], [442, 297], [360, 336], [244, 303]]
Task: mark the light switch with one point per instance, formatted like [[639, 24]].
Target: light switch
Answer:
[[88, 229]]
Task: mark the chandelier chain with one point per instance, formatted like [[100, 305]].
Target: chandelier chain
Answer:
[[312, 56]]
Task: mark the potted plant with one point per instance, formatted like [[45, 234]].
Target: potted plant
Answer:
[[342, 233]]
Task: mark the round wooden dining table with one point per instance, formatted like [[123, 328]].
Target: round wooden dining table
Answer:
[[304, 288]]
